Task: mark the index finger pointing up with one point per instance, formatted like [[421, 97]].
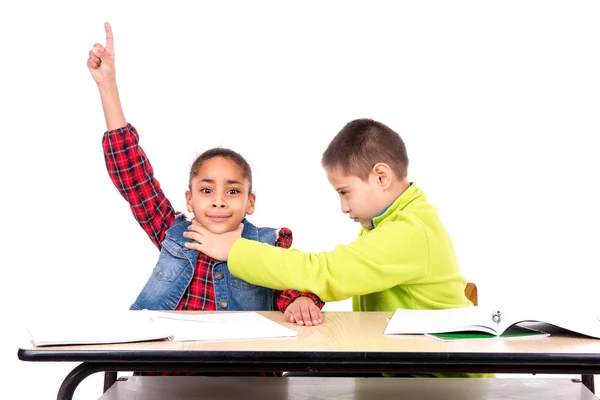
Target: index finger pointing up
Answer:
[[110, 43]]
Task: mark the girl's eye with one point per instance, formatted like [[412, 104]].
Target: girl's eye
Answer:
[[205, 190]]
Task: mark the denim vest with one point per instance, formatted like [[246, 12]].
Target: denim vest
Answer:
[[175, 269]]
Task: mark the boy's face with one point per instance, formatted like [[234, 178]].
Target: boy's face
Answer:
[[219, 196], [362, 200]]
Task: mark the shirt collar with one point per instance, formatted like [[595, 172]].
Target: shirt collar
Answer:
[[399, 204]]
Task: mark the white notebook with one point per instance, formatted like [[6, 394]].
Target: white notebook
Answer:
[[221, 326], [71, 329], [136, 326]]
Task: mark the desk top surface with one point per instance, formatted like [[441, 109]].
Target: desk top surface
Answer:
[[355, 336]]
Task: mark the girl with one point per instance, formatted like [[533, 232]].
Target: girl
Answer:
[[219, 196]]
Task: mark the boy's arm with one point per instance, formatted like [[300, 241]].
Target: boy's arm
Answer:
[[126, 162], [394, 253], [287, 297]]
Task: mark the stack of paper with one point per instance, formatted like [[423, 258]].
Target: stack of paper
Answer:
[[63, 329], [135, 326], [221, 326]]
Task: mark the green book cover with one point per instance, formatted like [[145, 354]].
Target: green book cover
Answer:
[[515, 332]]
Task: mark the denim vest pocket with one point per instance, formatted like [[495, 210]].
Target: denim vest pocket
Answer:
[[171, 261], [241, 284]]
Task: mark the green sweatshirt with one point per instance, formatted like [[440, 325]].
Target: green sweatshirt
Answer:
[[406, 261]]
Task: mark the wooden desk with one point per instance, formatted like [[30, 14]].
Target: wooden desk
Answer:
[[346, 342]]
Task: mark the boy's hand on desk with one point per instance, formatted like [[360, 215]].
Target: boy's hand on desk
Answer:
[[303, 311]]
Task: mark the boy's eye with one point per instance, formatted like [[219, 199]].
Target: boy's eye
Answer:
[[233, 191], [206, 191]]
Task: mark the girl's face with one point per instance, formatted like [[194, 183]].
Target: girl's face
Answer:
[[220, 198]]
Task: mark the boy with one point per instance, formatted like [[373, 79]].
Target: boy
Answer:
[[403, 257]]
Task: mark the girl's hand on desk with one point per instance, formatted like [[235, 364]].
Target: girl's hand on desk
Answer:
[[303, 311]]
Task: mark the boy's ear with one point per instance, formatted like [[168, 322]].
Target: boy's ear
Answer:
[[384, 175], [188, 201], [251, 204]]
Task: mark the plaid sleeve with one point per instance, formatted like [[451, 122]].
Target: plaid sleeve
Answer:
[[286, 297], [289, 295], [133, 176]]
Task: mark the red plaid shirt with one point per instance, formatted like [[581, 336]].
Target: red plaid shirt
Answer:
[[132, 174]]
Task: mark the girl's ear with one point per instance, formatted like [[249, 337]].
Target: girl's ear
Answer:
[[188, 201], [251, 204]]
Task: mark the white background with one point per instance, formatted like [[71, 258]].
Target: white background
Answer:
[[497, 102]]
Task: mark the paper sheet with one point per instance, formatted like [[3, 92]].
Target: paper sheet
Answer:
[[221, 326]]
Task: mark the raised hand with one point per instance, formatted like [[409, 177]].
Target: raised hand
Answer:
[[101, 61]]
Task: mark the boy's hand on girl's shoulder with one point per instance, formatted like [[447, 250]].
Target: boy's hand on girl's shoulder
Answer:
[[213, 245], [101, 60], [303, 311]]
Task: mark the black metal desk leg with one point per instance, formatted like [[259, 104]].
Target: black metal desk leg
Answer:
[[75, 377], [109, 379], [588, 382]]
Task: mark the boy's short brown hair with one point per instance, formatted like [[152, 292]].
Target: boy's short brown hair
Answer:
[[361, 144]]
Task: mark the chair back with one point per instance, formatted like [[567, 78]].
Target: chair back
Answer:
[[471, 292]]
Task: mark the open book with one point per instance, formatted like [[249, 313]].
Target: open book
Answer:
[[137, 326], [514, 332], [484, 320]]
